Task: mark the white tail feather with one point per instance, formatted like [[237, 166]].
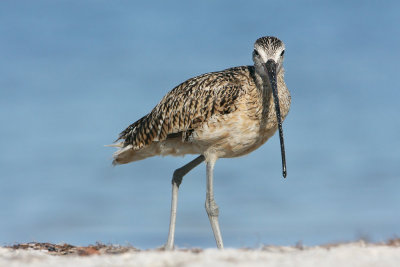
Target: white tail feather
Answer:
[[120, 144]]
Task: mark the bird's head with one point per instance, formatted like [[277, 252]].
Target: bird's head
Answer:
[[268, 50], [268, 59]]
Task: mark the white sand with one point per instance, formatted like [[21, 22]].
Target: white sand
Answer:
[[353, 254]]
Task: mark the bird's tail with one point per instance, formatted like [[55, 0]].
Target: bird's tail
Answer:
[[126, 154]]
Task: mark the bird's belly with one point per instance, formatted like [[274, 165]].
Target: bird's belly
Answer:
[[233, 136]]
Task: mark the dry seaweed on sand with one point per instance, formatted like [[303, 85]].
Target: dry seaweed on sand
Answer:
[[67, 249]]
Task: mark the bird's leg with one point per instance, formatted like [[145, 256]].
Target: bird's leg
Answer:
[[176, 181], [211, 206]]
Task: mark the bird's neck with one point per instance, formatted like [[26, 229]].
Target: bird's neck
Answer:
[[263, 87], [265, 91], [263, 84]]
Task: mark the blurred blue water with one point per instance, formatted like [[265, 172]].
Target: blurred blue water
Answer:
[[73, 74]]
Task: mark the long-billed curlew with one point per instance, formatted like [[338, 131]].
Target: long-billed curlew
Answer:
[[220, 114]]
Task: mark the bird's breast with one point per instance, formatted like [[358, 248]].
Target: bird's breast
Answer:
[[244, 130]]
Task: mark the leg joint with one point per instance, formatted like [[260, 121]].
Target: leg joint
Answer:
[[212, 208], [177, 177]]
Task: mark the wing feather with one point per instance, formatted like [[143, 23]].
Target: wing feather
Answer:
[[185, 108]]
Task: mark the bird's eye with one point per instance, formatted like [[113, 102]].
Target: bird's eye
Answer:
[[256, 53], [283, 52]]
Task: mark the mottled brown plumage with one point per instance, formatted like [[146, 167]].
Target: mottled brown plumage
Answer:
[[228, 113], [188, 108]]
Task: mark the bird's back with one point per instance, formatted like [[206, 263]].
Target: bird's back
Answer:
[[171, 127]]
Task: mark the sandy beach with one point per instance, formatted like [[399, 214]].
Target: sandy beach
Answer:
[[347, 254]]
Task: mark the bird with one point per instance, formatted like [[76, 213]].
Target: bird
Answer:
[[221, 114]]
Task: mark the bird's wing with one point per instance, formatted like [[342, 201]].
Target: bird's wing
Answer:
[[184, 109]]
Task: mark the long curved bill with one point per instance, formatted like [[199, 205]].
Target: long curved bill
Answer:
[[270, 67]]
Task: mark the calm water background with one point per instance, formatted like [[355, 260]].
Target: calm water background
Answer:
[[73, 74]]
